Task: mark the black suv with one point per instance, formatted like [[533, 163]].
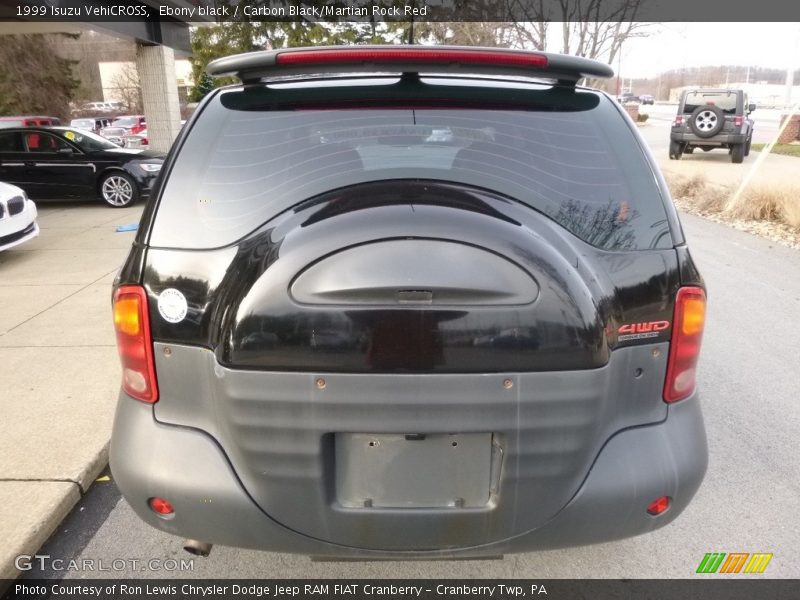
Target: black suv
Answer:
[[397, 302], [709, 119]]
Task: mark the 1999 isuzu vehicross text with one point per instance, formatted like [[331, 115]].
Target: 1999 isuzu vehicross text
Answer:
[[396, 302]]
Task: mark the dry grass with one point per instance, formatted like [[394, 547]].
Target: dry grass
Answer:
[[775, 203], [772, 212], [685, 187], [698, 195], [769, 203]]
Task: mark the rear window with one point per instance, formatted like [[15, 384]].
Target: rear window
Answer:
[[726, 101], [258, 151]]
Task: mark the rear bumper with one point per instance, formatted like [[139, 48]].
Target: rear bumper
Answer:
[[717, 140], [189, 468]]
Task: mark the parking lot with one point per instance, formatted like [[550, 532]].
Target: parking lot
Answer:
[[61, 375]]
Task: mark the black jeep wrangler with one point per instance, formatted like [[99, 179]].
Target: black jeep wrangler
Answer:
[[708, 119]]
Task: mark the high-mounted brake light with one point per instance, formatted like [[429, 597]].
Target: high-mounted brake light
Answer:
[[684, 348], [411, 55], [135, 343], [254, 67]]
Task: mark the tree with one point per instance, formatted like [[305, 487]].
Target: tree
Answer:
[[224, 39], [465, 33], [594, 29], [127, 89], [203, 86], [33, 79]]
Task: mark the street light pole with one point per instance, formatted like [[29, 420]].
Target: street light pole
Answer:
[[787, 101]]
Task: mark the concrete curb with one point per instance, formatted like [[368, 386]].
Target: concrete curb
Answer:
[[35, 509]]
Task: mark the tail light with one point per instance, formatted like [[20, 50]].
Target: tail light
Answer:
[[135, 343], [678, 121], [412, 54], [684, 348], [738, 121]]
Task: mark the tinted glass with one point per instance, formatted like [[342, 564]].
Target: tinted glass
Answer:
[[11, 142], [254, 153], [43, 142], [725, 101]]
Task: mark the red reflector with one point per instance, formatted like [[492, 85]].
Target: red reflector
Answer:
[[134, 343], [411, 55], [160, 506], [659, 505], [684, 347]]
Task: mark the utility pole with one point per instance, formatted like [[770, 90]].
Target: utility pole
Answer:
[[787, 100]]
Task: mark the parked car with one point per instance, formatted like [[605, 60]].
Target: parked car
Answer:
[[94, 125], [133, 123], [98, 106], [712, 118], [646, 99], [629, 98], [63, 162], [115, 135], [17, 217], [28, 121], [136, 140], [340, 339]]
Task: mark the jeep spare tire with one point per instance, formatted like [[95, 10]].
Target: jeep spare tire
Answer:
[[707, 121]]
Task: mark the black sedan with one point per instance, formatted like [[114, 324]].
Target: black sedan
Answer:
[[65, 162]]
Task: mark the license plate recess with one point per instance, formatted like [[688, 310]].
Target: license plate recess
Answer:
[[413, 470]]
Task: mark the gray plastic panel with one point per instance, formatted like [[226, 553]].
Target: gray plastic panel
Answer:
[[189, 468], [276, 430]]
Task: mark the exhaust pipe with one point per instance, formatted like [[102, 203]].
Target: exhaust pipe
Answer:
[[197, 548]]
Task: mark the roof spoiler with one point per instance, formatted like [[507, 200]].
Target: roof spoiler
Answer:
[[460, 60]]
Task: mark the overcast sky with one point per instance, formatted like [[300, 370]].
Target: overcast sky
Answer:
[[677, 45]]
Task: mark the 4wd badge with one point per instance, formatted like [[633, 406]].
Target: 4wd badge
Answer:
[[638, 331]]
